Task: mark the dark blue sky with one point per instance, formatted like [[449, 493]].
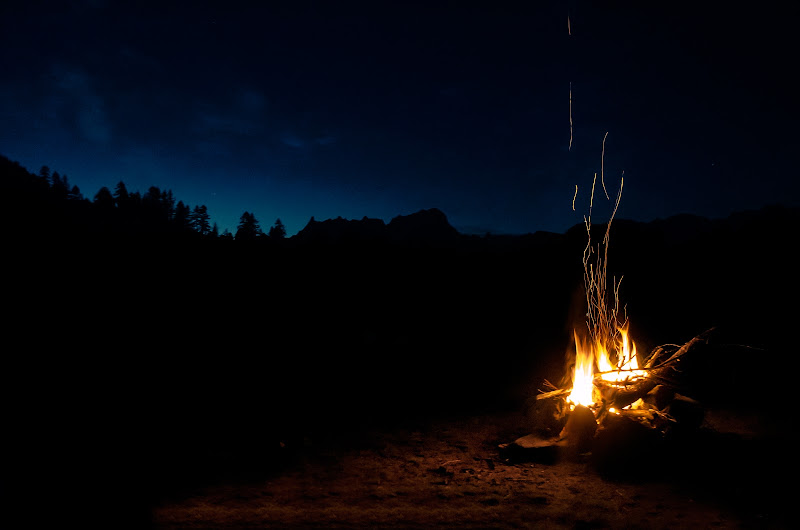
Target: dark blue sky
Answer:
[[299, 109]]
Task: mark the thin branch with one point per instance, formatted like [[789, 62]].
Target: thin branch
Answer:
[[554, 393], [549, 384], [703, 337]]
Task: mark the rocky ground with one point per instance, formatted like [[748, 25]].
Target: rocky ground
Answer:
[[449, 473]]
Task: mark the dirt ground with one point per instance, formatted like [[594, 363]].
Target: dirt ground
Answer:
[[449, 473]]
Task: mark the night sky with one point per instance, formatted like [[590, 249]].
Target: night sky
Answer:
[[304, 108]]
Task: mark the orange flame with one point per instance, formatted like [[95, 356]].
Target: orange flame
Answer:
[[582, 385], [595, 359]]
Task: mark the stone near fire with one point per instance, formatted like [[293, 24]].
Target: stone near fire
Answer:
[[532, 448], [580, 429]]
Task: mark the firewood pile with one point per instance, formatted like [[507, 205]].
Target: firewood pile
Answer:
[[628, 415]]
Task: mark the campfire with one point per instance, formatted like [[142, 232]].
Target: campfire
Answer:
[[604, 392], [610, 392]]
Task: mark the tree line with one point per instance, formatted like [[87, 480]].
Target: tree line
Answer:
[[120, 210]]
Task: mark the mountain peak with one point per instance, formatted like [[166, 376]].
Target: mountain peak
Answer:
[[425, 225]]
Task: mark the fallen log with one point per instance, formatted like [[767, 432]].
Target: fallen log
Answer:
[[659, 352], [683, 350]]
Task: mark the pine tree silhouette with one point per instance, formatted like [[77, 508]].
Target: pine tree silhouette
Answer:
[[248, 229], [278, 231], [182, 217], [104, 199], [200, 219]]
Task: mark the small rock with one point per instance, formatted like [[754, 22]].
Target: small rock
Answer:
[[532, 448], [441, 471], [580, 429]]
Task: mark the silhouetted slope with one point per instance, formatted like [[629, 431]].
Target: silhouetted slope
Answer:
[[335, 231], [425, 227]]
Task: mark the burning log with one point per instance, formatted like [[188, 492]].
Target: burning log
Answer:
[[620, 394]]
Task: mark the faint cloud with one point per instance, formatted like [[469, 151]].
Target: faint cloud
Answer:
[[88, 106], [93, 124], [461, 93], [213, 149], [134, 58], [292, 140], [242, 114], [95, 4], [251, 100], [325, 140], [223, 122], [140, 166]]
